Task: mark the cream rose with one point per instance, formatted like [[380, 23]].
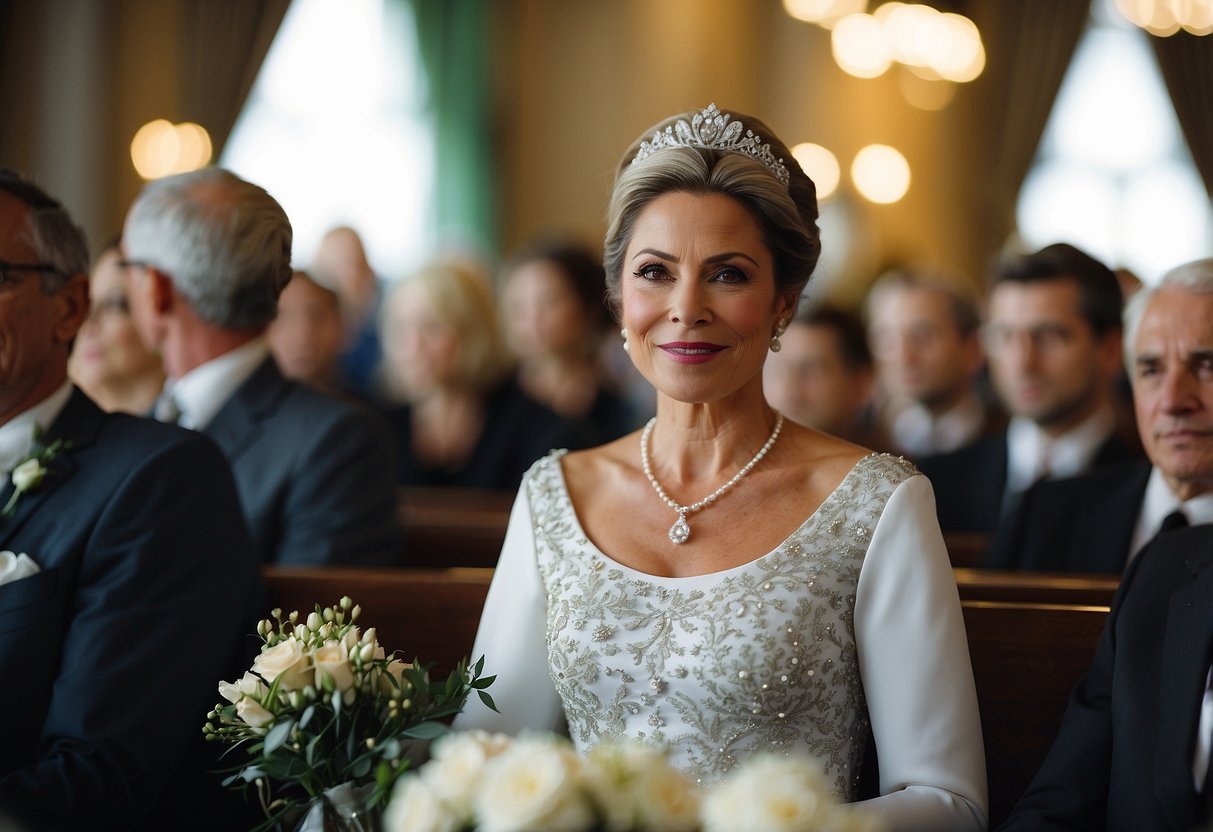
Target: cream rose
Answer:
[[637, 789], [28, 475], [285, 662], [333, 660], [252, 713], [415, 807], [534, 786], [777, 794], [247, 685]]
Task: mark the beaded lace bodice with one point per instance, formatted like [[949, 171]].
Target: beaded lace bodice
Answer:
[[719, 666]]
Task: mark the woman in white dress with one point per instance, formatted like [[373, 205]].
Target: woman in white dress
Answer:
[[725, 582]]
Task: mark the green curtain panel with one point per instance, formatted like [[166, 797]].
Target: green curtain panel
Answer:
[[453, 38]]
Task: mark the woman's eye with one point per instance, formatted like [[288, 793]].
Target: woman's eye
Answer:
[[730, 275], [652, 271]]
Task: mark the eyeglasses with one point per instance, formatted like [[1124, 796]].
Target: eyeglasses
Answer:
[[7, 269]]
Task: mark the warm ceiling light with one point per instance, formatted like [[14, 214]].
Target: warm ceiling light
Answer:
[[821, 166], [861, 47], [824, 13], [881, 174], [161, 148], [1166, 17]]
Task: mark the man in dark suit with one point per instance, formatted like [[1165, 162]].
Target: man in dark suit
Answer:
[[1098, 522], [127, 575], [209, 254], [1132, 752], [1052, 337]]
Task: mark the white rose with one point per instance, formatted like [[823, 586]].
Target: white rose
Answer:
[[395, 669], [252, 713], [457, 766], [777, 794], [28, 475], [287, 660], [248, 685], [416, 808], [667, 801], [333, 659], [535, 786]]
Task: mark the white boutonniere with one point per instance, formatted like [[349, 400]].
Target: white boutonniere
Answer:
[[30, 473]]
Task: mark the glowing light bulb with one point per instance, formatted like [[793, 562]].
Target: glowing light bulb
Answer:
[[881, 174], [861, 46], [821, 166]]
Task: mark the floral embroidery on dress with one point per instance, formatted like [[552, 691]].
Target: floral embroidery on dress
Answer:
[[757, 658]]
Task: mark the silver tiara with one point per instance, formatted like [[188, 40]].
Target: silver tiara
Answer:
[[714, 130]]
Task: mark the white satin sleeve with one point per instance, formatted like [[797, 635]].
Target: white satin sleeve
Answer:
[[917, 677], [512, 639]]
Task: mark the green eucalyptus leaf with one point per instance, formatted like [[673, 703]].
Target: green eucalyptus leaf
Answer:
[[278, 735]]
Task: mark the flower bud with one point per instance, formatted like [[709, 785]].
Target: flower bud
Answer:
[[294, 616], [370, 635], [356, 612], [346, 602], [328, 614], [313, 621]]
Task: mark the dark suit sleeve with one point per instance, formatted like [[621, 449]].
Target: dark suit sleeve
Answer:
[[1070, 791], [341, 507], [161, 602]]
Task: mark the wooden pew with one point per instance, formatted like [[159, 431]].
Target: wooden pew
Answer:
[[428, 614], [1026, 658], [1036, 587], [446, 527], [1026, 654], [966, 549]]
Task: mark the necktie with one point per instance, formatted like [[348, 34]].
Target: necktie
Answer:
[[1175, 520]]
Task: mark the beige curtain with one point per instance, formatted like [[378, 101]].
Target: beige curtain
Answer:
[[1186, 62], [1029, 44], [223, 45]]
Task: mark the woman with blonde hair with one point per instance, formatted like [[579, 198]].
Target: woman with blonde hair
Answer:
[[464, 422]]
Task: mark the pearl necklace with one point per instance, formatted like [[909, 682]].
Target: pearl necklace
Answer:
[[680, 532]]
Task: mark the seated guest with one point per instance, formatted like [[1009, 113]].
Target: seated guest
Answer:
[[553, 314], [341, 259], [208, 255], [725, 582], [127, 575], [110, 362], [1053, 341], [822, 376], [922, 329], [1132, 752], [466, 423], [306, 337], [1098, 522]]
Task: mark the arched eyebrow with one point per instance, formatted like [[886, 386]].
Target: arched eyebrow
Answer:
[[715, 258]]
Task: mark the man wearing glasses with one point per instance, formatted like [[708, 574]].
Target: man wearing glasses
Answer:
[[1052, 339], [126, 577]]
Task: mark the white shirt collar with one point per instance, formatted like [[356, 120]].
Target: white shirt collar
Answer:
[[17, 434], [917, 432], [1158, 502], [202, 392], [1068, 455]]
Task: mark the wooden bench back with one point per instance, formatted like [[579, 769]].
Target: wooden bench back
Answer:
[[429, 614]]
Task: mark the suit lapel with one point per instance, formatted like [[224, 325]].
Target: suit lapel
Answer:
[[238, 422], [1185, 663], [1104, 532], [78, 425]]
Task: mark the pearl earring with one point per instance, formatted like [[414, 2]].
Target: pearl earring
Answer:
[[779, 330], [624, 333]]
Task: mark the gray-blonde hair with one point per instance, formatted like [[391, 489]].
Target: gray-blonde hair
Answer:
[[787, 215], [1195, 277], [225, 244]]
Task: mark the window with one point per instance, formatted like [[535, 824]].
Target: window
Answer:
[[335, 129], [1113, 174]]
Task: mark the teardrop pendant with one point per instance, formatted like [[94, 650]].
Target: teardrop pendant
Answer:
[[680, 531]]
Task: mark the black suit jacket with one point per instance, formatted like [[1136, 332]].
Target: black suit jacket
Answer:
[[969, 482], [110, 655], [1122, 760], [316, 474], [1083, 524]]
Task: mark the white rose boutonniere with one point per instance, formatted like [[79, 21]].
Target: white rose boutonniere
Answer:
[[30, 473]]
